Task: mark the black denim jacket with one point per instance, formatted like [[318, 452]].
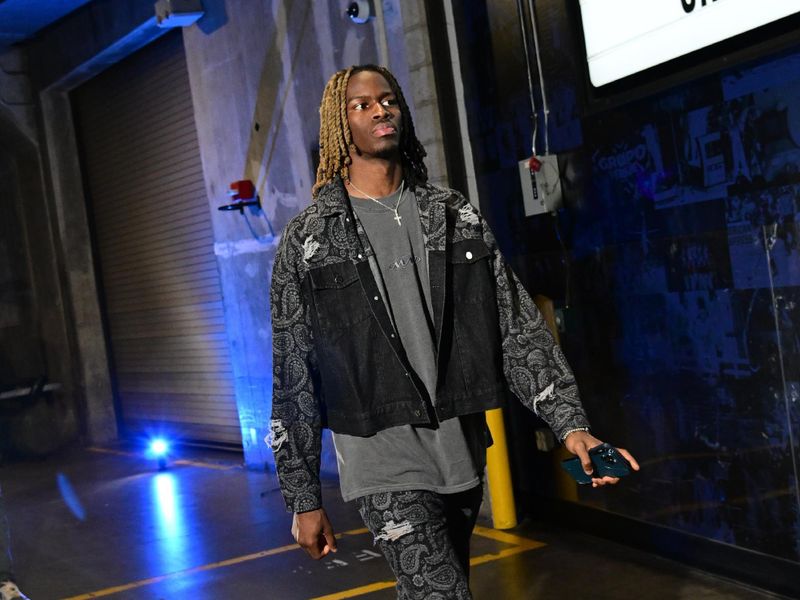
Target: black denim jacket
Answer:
[[339, 363]]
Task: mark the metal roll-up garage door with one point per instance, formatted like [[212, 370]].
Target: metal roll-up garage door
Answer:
[[155, 248]]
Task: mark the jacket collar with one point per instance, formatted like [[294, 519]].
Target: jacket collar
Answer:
[[333, 196], [431, 200]]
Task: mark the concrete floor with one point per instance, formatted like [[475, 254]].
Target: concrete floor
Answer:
[[105, 523]]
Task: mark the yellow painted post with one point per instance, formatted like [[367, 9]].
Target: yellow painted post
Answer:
[[504, 513]]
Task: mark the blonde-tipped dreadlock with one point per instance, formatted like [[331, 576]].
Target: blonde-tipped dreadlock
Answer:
[[336, 141]]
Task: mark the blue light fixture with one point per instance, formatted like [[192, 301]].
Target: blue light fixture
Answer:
[[159, 449]]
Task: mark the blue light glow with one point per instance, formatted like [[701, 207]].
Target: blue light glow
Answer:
[[166, 503], [159, 447], [70, 497], [171, 551]]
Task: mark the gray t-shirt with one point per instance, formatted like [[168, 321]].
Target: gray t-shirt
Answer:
[[445, 459]]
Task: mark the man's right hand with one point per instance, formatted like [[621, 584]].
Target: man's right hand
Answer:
[[313, 532]]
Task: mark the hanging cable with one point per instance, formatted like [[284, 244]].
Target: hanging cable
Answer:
[[534, 114], [546, 114], [545, 108]]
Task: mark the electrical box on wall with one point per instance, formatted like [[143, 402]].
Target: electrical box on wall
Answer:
[[541, 184]]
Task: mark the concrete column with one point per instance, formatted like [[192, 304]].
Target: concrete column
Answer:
[[423, 87], [73, 230], [256, 86], [253, 103]]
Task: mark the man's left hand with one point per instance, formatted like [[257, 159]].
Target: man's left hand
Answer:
[[580, 442]]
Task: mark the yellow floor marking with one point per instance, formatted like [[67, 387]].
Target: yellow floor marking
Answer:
[[108, 451], [507, 538], [521, 545], [208, 567], [359, 591], [205, 465], [190, 463], [484, 558]]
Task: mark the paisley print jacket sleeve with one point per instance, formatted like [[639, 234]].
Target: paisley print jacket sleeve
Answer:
[[315, 249], [295, 426], [533, 364]]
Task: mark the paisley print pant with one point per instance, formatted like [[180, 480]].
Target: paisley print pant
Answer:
[[425, 538]]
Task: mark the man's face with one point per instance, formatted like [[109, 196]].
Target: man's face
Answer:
[[373, 115]]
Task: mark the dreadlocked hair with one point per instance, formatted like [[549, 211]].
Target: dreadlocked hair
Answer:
[[336, 140]]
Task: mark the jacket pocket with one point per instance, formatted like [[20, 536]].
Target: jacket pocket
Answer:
[[338, 297], [469, 251], [470, 261]]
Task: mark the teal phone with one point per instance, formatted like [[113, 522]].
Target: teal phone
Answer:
[[606, 460]]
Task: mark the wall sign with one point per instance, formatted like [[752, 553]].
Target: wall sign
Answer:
[[624, 37]]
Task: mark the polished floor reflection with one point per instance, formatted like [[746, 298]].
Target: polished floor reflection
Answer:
[[107, 523]]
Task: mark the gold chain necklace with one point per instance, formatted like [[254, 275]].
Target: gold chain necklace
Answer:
[[397, 216]]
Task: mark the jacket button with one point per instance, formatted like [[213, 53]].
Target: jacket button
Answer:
[[375, 298], [469, 255], [391, 335]]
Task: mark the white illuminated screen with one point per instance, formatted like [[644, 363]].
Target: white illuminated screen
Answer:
[[624, 37]]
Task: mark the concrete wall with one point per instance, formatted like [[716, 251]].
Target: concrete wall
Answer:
[[17, 360], [256, 84], [34, 328], [421, 84], [16, 94], [257, 70], [19, 355], [75, 49]]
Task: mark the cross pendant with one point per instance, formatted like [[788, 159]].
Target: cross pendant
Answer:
[[398, 218]]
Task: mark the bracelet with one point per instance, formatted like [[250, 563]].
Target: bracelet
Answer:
[[564, 437]]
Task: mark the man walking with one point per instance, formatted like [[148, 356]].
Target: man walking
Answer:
[[396, 324]]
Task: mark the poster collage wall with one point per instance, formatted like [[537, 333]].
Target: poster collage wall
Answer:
[[689, 237], [675, 262]]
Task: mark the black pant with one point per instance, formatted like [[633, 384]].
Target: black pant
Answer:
[[425, 538]]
